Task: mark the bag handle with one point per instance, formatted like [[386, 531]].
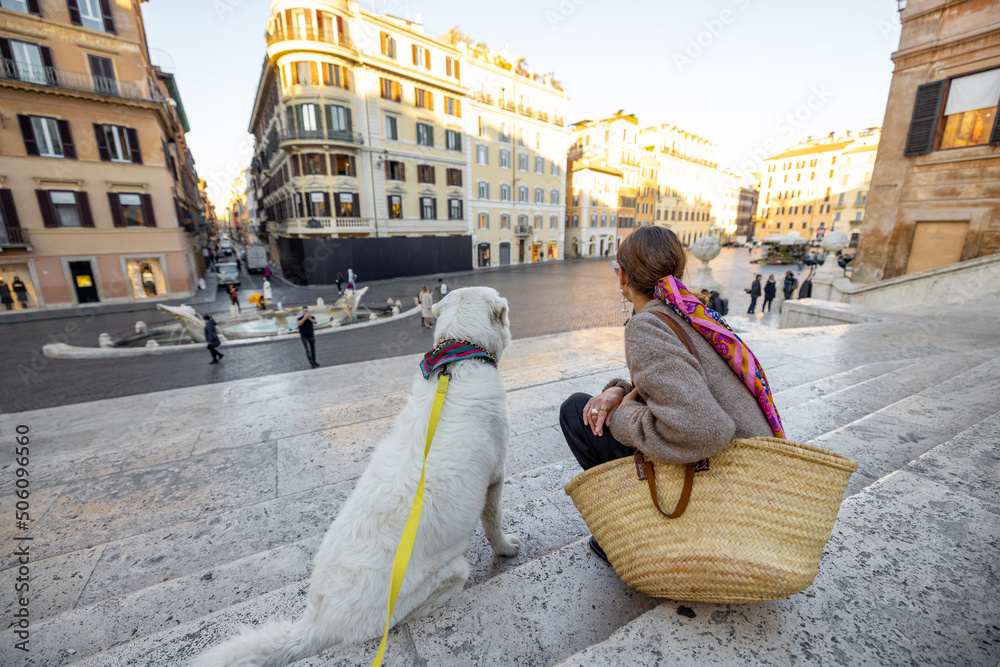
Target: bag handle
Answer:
[[644, 468]]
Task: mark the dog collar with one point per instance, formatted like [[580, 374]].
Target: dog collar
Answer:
[[451, 350]]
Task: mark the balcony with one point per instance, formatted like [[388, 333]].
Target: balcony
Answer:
[[338, 136], [14, 237], [523, 230], [85, 83], [322, 226], [309, 34], [485, 98]]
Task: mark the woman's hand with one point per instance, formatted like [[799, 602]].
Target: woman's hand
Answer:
[[605, 403]]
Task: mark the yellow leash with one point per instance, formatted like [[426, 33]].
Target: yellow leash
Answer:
[[405, 548]]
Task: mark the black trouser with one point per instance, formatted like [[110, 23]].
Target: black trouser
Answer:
[[590, 450], [753, 304], [213, 348], [767, 304], [310, 345]]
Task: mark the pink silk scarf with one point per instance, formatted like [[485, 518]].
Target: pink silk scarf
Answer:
[[725, 342]]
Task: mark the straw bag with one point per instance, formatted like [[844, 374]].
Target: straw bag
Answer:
[[748, 524]]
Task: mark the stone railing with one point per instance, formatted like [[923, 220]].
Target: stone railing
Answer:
[[309, 34], [328, 225]]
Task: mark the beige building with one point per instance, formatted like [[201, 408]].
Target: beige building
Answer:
[[98, 195], [367, 127], [819, 186], [687, 180], [934, 196]]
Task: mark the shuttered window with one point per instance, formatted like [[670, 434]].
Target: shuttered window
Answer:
[[926, 110]]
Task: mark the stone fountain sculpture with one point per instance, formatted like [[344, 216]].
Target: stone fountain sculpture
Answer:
[[706, 249], [192, 323], [830, 271]]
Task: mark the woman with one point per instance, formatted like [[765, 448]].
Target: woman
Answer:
[[426, 303], [770, 289], [675, 409]]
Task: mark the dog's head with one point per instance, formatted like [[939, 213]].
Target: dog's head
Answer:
[[475, 314]]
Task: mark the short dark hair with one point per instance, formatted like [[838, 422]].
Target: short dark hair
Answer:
[[207, 317]]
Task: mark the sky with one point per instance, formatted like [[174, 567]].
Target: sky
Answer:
[[744, 74]]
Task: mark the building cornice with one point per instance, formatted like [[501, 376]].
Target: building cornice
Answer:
[[919, 55]]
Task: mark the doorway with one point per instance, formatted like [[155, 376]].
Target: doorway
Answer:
[[83, 281], [520, 251], [936, 244], [484, 254], [504, 254]]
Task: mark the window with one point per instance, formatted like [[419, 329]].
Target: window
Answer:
[[388, 45], [482, 154], [129, 209], [522, 137], [554, 196], [425, 134], [46, 137], [348, 204], [553, 222], [305, 73], [335, 75], [117, 144], [504, 221], [504, 192], [453, 140], [31, 62], [390, 90], [454, 177], [395, 171], [484, 221], [539, 196], [970, 110], [484, 190], [612, 219], [778, 225], [421, 57], [556, 168], [24, 6], [391, 128], [343, 165], [576, 220], [318, 204], [428, 208], [593, 219], [604, 219], [103, 71], [836, 216], [455, 209], [522, 193], [423, 99], [453, 107], [92, 14], [522, 162], [451, 67], [395, 207], [425, 173], [504, 158], [840, 199], [539, 164], [481, 127], [504, 134], [63, 208]]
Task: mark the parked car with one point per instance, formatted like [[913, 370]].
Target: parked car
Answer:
[[229, 274], [226, 246]]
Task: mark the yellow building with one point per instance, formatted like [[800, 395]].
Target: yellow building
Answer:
[[367, 127], [819, 186], [517, 144], [98, 195], [593, 193]]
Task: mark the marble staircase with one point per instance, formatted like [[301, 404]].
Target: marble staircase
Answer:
[[164, 522]]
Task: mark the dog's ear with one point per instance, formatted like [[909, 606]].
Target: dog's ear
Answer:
[[498, 312], [436, 309]]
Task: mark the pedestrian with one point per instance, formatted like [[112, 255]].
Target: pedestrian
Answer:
[[790, 283], [267, 271], [352, 279], [426, 303], [770, 289], [340, 281], [5, 295], [754, 293], [21, 291], [306, 322], [212, 340], [441, 290], [234, 297], [201, 284], [266, 289]]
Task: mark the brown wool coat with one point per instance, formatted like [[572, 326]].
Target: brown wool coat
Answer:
[[691, 410]]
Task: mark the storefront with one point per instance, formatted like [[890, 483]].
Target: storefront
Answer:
[[17, 287], [145, 277], [484, 254], [553, 248]]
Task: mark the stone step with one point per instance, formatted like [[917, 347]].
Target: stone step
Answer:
[[909, 577], [808, 391]]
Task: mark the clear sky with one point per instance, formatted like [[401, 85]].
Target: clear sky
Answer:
[[741, 73]]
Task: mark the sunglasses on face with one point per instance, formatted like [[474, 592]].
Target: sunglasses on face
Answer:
[[615, 266]]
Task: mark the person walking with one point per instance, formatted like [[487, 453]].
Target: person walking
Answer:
[[352, 279], [307, 333], [441, 290], [234, 297], [789, 285], [340, 282], [267, 271], [212, 340], [754, 293], [770, 289], [426, 303], [266, 289]]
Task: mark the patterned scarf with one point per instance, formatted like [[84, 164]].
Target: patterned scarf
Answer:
[[450, 350], [725, 342]]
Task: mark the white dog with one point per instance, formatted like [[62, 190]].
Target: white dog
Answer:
[[349, 588]]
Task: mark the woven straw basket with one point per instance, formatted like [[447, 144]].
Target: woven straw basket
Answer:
[[754, 528]]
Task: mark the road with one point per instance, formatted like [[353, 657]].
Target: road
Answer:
[[544, 298]]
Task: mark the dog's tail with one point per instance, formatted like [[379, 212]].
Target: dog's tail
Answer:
[[270, 645]]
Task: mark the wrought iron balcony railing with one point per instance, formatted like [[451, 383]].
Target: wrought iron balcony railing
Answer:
[[321, 135], [310, 34], [78, 81], [14, 237]]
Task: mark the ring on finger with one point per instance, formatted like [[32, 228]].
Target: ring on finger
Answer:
[[593, 411], [603, 408]]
